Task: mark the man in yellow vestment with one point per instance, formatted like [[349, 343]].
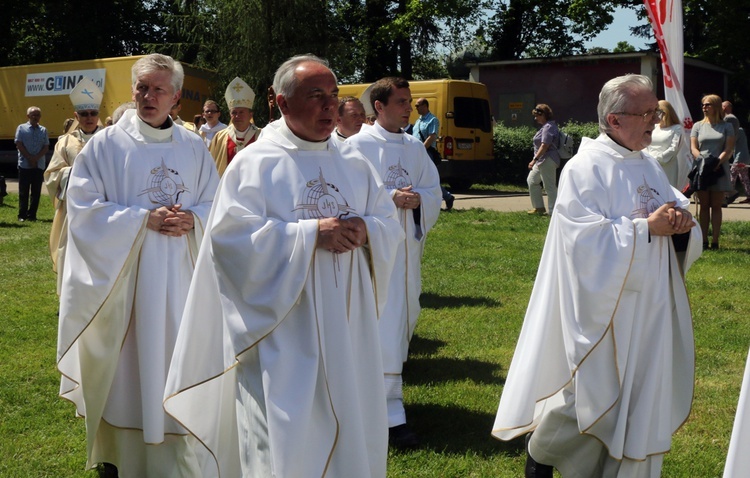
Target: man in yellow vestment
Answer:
[[86, 98], [241, 132]]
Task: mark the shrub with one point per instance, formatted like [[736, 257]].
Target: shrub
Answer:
[[513, 148]]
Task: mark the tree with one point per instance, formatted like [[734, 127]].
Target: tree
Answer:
[[404, 37], [623, 47], [543, 28], [714, 32], [54, 30], [597, 50]]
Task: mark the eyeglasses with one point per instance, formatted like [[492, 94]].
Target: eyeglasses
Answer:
[[86, 114], [647, 116], [210, 112]]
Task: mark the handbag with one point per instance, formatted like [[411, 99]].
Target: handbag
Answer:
[[703, 175], [693, 179]]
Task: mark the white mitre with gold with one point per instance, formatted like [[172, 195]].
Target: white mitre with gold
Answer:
[[86, 95], [239, 94]]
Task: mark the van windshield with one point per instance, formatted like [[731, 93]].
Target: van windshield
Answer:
[[472, 113]]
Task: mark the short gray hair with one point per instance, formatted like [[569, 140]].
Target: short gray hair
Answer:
[[285, 81], [158, 62], [120, 110], [616, 93], [31, 109]]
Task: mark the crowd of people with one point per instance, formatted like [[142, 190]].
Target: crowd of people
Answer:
[[237, 301], [229, 316]]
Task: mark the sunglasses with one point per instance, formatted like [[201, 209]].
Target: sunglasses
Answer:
[[706, 105], [86, 114], [210, 112]]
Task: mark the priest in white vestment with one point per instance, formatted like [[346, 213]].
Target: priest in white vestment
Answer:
[[414, 184], [277, 367], [212, 125], [604, 367], [139, 195], [86, 98], [351, 118]]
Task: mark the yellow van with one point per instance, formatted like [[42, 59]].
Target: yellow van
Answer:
[[465, 134]]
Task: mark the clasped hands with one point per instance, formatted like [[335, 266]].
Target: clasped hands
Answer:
[[669, 220], [405, 198], [170, 221], [341, 235]]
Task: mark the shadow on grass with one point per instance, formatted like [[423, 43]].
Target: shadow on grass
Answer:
[[422, 346], [429, 300], [452, 429], [425, 371], [15, 225], [480, 190]]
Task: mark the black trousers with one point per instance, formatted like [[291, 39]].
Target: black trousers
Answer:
[[29, 181]]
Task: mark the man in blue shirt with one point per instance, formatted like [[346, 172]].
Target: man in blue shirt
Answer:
[[426, 129], [32, 143]]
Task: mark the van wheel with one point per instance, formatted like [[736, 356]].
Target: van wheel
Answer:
[[460, 184]]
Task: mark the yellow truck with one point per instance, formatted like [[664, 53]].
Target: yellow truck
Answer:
[[465, 136], [48, 86]]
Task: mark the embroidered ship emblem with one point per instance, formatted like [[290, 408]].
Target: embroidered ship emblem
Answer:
[[397, 177], [649, 201], [166, 186], [322, 199]]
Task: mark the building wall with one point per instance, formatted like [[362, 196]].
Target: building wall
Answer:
[[700, 82], [571, 87]]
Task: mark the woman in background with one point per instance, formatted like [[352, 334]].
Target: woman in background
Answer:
[[712, 136], [740, 165], [669, 146], [546, 161]]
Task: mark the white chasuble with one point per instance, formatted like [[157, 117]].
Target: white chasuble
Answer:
[[286, 329], [609, 310], [124, 286], [402, 160], [738, 458]]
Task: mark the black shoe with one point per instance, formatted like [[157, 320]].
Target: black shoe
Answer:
[[449, 202], [107, 470], [534, 469], [732, 198], [402, 438]]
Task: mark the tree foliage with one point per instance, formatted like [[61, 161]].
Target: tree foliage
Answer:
[[543, 28], [363, 39], [55, 30]]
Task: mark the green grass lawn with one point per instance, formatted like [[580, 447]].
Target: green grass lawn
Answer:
[[478, 273]]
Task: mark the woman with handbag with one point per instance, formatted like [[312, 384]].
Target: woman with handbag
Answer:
[[712, 136], [546, 161]]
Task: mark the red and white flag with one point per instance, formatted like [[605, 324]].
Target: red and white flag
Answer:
[[666, 20]]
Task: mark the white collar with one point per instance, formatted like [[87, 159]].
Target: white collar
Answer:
[[300, 143]]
